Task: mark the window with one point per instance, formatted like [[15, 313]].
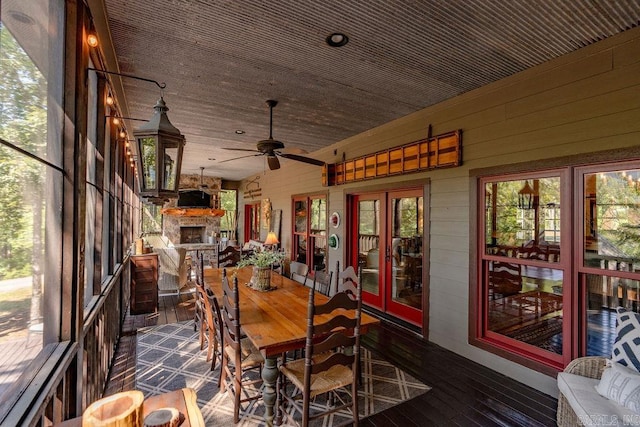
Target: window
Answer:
[[91, 188], [609, 266], [310, 231], [523, 278], [151, 219], [30, 186], [229, 222], [528, 303]]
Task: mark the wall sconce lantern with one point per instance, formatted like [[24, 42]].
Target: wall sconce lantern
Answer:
[[526, 196], [159, 147]]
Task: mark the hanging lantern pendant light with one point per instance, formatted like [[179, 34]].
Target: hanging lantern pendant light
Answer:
[[526, 196], [159, 160]]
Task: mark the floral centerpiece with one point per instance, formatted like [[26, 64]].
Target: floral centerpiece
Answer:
[[262, 262]]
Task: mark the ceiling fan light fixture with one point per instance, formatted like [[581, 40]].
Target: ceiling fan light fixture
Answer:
[[337, 39], [239, 132]]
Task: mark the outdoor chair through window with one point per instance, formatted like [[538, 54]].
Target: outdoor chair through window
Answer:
[[331, 359], [322, 282], [298, 272]]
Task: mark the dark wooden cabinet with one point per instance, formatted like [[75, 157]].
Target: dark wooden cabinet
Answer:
[[144, 283]]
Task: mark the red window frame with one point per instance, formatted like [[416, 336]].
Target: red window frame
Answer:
[[511, 348]]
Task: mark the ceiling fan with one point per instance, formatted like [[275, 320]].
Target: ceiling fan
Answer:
[[270, 147]]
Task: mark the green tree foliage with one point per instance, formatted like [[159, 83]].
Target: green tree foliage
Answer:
[[618, 211], [228, 202], [23, 115], [514, 226]]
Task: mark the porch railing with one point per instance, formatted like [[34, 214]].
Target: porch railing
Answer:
[[73, 371]]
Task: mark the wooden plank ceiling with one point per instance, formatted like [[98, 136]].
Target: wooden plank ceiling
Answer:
[[221, 60]]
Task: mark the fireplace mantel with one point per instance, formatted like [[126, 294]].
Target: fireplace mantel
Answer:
[[193, 212]]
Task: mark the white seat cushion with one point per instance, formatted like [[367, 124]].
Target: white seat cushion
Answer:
[[591, 408]]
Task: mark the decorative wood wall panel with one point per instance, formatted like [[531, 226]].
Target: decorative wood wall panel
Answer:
[[442, 151]]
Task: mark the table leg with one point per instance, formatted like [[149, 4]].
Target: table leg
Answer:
[[269, 376]]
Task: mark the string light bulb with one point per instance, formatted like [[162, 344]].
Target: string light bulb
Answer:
[[92, 40], [116, 121], [122, 134], [109, 100]]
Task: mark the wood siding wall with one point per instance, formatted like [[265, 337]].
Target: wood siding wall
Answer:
[[584, 102]]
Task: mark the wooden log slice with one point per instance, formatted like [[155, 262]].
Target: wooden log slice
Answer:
[[163, 417], [119, 410]]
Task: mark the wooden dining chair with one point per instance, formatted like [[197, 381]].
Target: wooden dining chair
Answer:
[[322, 282], [218, 352], [198, 308], [326, 367], [229, 257], [348, 281], [239, 354], [298, 272], [208, 329]]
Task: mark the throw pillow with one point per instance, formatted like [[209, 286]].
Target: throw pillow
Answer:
[[626, 348], [620, 384]]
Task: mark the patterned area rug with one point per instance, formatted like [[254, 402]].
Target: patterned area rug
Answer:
[[169, 358]]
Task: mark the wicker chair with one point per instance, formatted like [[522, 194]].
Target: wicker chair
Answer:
[[590, 367]]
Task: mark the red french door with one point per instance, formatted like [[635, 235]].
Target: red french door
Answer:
[[387, 230]]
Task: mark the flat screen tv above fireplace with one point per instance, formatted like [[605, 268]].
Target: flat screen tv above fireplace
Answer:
[[194, 199]]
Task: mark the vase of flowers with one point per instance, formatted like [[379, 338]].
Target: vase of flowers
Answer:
[[262, 262]]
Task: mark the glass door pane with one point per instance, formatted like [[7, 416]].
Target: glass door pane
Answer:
[[404, 260], [368, 248]]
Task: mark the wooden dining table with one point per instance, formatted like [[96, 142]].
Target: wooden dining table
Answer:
[[275, 321]]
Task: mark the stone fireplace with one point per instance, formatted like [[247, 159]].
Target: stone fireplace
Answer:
[[191, 234], [191, 229]]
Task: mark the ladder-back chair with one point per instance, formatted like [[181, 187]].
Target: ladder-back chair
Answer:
[[229, 257], [240, 355], [326, 367]]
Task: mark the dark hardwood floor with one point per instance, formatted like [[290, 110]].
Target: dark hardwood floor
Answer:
[[463, 393]]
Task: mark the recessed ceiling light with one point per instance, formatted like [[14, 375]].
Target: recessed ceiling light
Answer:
[[239, 132], [337, 39], [211, 158]]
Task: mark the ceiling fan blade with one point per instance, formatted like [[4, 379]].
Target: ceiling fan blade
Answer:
[[273, 161], [241, 149], [241, 157], [293, 150], [302, 159]]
